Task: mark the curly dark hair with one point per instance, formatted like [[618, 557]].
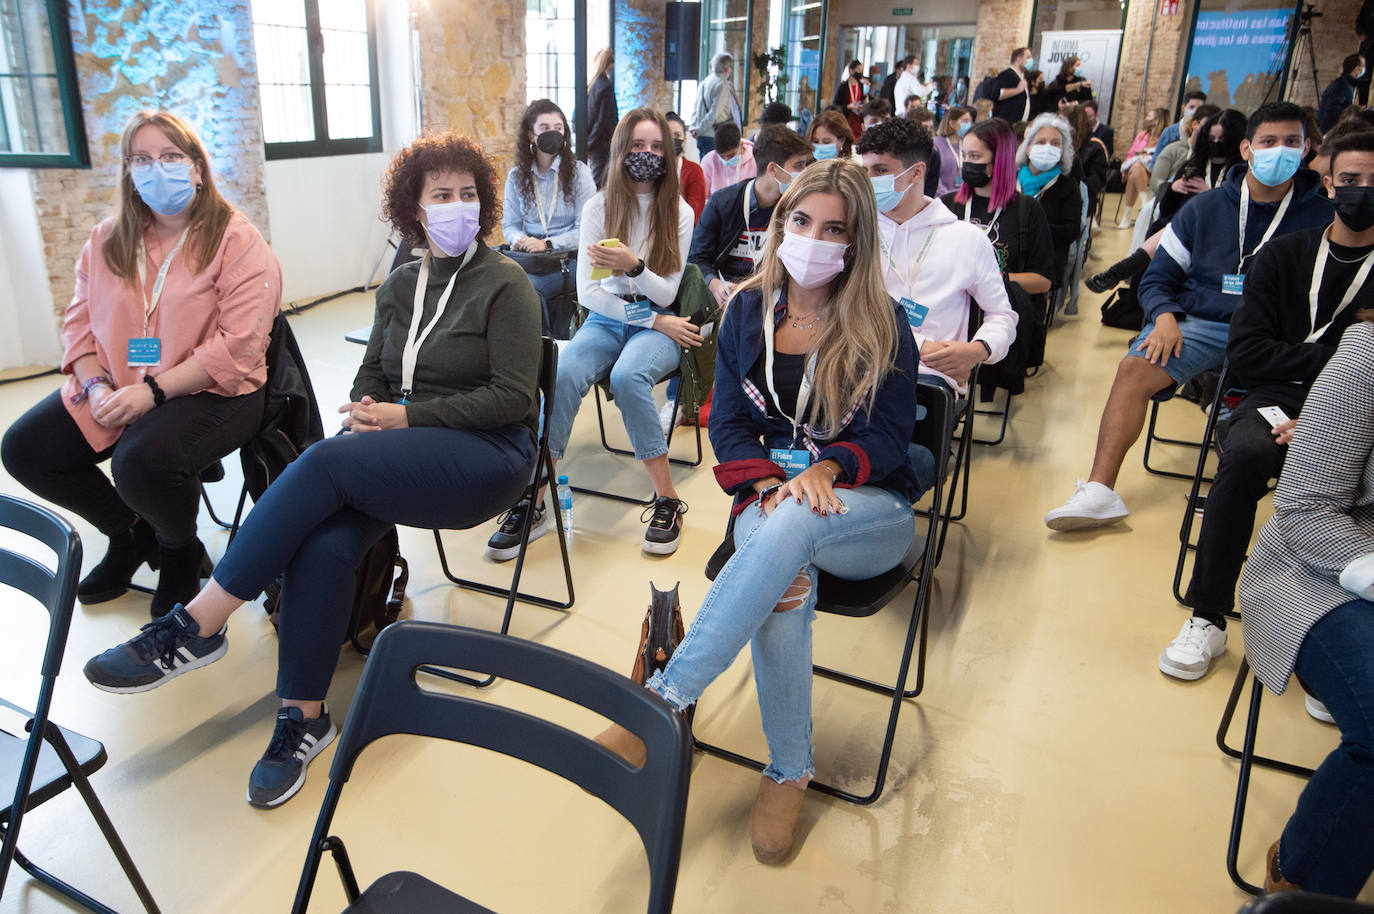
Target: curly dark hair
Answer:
[[524, 154], [405, 179]]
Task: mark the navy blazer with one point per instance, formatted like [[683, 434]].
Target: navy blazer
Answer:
[[871, 446]]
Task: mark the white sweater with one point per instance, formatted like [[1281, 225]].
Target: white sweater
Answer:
[[603, 295], [960, 265]]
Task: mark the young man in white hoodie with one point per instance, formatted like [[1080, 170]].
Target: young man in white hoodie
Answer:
[[934, 263]]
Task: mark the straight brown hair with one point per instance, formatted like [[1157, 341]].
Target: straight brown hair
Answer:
[[209, 212], [662, 255]]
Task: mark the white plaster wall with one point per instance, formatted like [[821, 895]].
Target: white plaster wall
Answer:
[[28, 328]]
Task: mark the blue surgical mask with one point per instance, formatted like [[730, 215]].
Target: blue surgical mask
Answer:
[[791, 175], [1043, 156], [1029, 64], [824, 151], [965, 127], [885, 190], [732, 161], [1272, 166], [1078, 71], [166, 188]]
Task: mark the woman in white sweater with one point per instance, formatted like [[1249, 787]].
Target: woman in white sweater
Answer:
[[635, 235], [1306, 609]]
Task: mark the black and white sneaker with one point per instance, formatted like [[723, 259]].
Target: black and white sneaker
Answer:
[[281, 770], [665, 525], [162, 650], [504, 544]]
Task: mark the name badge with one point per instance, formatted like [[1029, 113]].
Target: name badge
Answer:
[[792, 461], [1233, 284], [915, 314], [144, 351], [637, 310]]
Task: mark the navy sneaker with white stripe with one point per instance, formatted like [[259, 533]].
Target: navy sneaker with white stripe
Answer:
[[163, 649], [281, 770]]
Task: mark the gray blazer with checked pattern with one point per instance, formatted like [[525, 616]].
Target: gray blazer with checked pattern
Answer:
[[1317, 553]]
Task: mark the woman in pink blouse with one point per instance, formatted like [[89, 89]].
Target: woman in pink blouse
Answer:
[[165, 341]]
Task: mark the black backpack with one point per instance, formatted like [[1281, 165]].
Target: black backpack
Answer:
[[1122, 310]]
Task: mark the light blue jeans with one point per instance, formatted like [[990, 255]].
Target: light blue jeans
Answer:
[[638, 358], [870, 538]]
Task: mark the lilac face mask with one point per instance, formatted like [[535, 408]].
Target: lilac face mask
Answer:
[[453, 226], [811, 262]]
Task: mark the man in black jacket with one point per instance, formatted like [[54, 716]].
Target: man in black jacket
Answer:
[[1341, 93], [730, 234], [1011, 95], [1100, 130], [1301, 293]]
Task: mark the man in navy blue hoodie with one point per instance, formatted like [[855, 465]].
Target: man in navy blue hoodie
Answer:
[[1193, 284]]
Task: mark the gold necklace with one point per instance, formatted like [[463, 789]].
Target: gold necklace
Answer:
[[802, 323]]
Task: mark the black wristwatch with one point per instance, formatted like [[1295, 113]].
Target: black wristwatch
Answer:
[[548, 245], [985, 346], [159, 397], [638, 268]]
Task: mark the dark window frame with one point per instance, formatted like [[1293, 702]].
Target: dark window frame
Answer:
[[322, 145], [78, 153]]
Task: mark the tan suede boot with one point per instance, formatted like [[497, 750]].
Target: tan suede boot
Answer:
[[773, 820], [1273, 879], [624, 744]]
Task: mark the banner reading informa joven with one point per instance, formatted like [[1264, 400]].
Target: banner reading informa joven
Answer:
[[1096, 49]]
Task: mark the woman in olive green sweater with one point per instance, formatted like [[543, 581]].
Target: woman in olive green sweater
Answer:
[[442, 422]]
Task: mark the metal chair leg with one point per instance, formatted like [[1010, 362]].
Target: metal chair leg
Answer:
[[1004, 412], [601, 424], [1151, 438]]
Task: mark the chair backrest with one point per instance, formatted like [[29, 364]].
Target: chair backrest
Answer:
[[548, 377], [55, 589], [653, 798], [936, 430]]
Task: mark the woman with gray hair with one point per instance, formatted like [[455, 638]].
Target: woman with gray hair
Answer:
[[1048, 171], [716, 103]]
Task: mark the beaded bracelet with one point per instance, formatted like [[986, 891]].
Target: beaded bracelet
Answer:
[[85, 393]]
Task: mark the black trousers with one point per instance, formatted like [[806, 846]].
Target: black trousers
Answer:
[[1250, 457], [156, 462]]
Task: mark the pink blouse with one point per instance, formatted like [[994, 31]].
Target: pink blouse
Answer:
[[221, 317]]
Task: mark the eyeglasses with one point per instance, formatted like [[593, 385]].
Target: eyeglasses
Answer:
[[167, 158]]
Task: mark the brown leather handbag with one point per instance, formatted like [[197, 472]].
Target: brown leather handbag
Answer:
[[660, 635]]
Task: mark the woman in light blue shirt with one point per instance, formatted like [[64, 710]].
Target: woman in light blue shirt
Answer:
[[545, 193]]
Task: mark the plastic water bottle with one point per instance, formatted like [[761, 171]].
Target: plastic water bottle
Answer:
[[565, 504]]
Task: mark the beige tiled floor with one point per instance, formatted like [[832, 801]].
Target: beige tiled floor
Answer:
[[1048, 767]]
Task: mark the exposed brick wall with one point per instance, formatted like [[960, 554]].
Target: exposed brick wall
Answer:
[[1003, 26], [759, 35], [1166, 63], [192, 57]]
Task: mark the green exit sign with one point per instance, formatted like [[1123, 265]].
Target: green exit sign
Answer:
[[901, 11]]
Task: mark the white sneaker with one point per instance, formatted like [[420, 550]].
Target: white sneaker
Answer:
[[1318, 711], [1190, 655], [1124, 221], [665, 418], [1091, 505]]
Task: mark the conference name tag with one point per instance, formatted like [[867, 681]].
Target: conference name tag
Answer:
[[144, 351], [792, 461], [637, 310], [915, 314], [1233, 283]]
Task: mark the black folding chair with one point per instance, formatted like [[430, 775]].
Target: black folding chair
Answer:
[[543, 472], [1152, 437], [51, 758], [1248, 759], [1304, 903], [390, 701], [868, 597], [1195, 498]]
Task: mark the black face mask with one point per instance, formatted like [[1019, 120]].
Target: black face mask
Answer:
[[1355, 207], [677, 146], [644, 166], [550, 142], [976, 174]]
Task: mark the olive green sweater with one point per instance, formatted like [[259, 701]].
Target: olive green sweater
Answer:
[[479, 367]]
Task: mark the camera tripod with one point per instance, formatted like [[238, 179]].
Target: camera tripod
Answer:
[[1300, 41]]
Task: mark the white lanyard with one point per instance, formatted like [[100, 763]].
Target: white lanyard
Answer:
[[410, 352], [1318, 271], [1245, 217], [908, 279], [956, 151], [545, 215], [150, 303], [968, 215], [803, 392], [753, 254]]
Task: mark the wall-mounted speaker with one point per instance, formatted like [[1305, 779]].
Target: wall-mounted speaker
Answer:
[[681, 41]]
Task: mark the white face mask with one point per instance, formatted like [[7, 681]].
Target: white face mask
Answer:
[[811, 262], [1043, 156]]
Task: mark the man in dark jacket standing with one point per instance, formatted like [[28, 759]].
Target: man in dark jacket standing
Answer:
[[1191, 287], [1011, 94], [734, 225], [1341, 93], [1303, 291]]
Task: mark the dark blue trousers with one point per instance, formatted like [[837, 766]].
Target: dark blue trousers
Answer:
[[337, 500]]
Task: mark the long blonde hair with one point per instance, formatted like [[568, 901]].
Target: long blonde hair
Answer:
[[661, 254], [209, 212], [857, 345], [602, 62]]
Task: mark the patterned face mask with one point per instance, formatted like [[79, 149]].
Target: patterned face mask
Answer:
[[644, 166]]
